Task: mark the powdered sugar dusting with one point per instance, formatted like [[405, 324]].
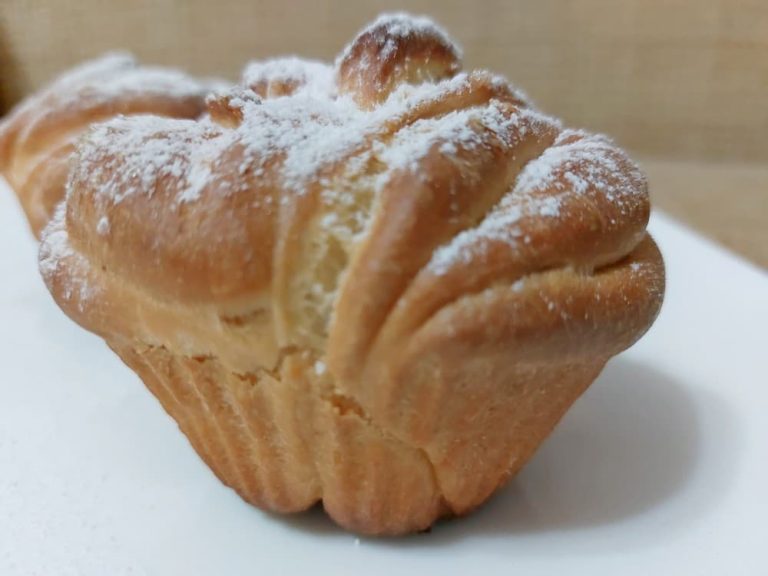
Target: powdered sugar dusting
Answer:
[[549, 206], [304, 128], [467, 130], [500, 225], [149, 81], [304, 77], [579, 161], [118, 75], [309, 133], [70, 83], [102, 227], [306, 132], [575, 164], [54, 245], [398, 26], [55, 249], [129, 155]]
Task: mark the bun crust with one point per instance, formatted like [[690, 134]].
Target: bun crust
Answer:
[[38, 137], [379, 284]]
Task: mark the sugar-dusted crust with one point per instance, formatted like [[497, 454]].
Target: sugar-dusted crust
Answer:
[[416, 266], [38, 136]]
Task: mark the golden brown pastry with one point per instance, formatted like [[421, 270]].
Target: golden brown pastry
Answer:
[[379, 284], [38, 136]]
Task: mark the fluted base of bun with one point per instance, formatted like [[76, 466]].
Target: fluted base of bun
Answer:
[[284, 441], [287, 439]]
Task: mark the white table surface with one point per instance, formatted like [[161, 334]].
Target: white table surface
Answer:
[[661, 468]]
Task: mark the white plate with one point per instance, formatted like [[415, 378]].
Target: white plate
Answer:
[[661, 468]]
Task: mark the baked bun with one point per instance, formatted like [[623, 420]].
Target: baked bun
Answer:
[[38, 136], [378, 285]]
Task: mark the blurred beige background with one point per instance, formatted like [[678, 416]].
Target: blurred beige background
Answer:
[[682, 83]]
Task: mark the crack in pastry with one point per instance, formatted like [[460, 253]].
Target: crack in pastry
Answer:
[[379, 284]]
